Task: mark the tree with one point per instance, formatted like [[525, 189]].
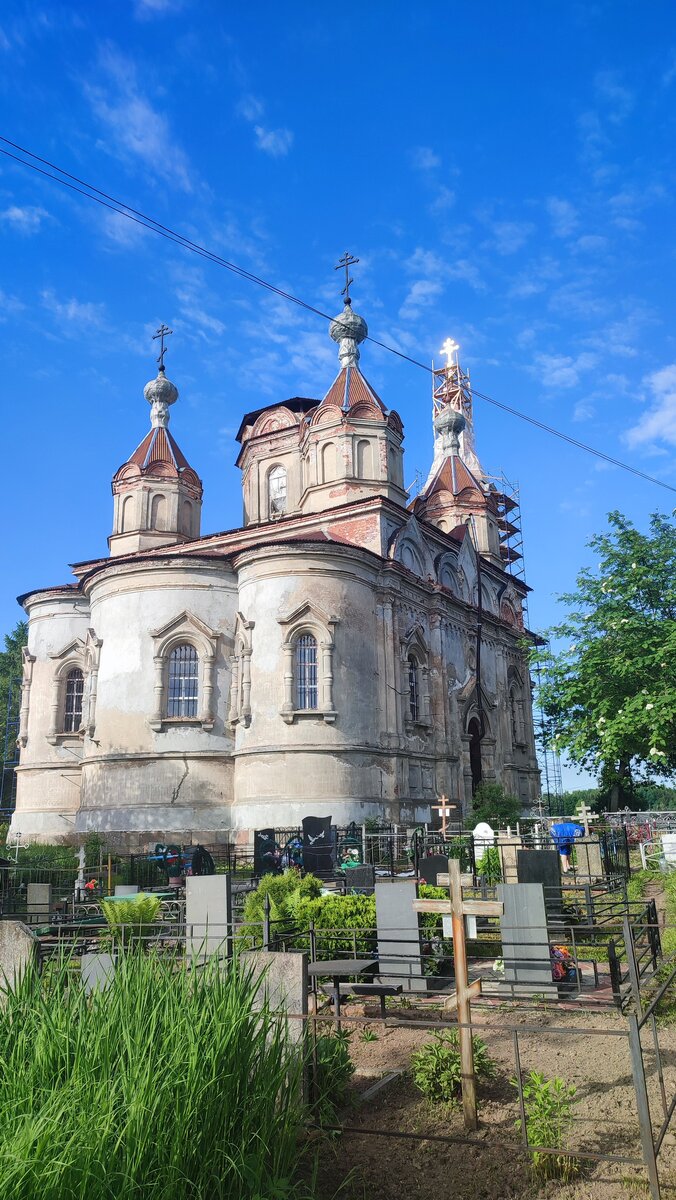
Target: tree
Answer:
[[491, 804], [609, 695], [10, 676]]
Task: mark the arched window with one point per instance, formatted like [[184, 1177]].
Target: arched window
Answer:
[[186, 518], [127, 519], [328, 462], [474, 731], [72, 711], [158, 513], [183, 682], [364, 460], [276, 492], [413, 687], [307, 690]]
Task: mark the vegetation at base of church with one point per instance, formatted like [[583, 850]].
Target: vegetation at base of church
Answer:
[[548, 1104], [609, 694], [437, 1069], [167, 1085], [10, 677], [491, 803]]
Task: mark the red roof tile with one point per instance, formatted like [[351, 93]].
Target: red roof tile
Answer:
[[350, 388]]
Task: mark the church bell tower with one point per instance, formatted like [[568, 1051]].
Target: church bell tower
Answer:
[[158, 496]]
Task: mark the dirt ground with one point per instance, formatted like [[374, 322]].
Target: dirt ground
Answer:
[[360, 1165]]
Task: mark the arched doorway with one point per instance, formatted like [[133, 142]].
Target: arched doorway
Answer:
[[474, 731]]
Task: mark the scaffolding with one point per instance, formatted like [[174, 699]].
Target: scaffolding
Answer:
[[10, 751]]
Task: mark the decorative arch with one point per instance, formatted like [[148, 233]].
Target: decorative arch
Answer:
[[409, 547], [451, 575], [415, 678], [68, 660], [515, 701], [308, 621], [127, 522], [272, 422], [364, 458], [276, 490], [158, 511], [185, 629], [328, 459], [187, 518]]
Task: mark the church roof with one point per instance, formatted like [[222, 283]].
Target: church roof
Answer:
[[350, 388], [453, 476], [297, 404], [158, 449]]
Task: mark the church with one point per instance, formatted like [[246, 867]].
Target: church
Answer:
[[349, 651]]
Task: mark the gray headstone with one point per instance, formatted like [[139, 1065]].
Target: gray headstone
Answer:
[[38, 902], [525, 940], [542, 866], [97, 971], [18, 949], [362, 878], [399, 935], [126, 889], [282, 981], [208, 916]]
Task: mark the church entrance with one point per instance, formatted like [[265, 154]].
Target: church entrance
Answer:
[[474, 731]]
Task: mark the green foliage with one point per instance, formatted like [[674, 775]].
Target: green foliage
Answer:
[[132, 916], [489, 865], [285, 892], [10, 675], [334, 1069], [368, 1035], [548, 1104], [167, 1085], [490, 803], [4, 830], [339, 913], [609, 694], [437, 1069]]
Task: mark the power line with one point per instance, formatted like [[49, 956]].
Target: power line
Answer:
[[82, 188]]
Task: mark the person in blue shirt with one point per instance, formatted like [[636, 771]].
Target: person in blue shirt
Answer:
[[564, 834]]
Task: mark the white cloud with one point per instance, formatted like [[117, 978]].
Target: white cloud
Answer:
[[563, 216], [147, 9], [659, 423], [9, 305], [73, 313], [250, 107], [420, 295], [5, 43], [583, 411], [510, 236], [591, 243], [562, 370], [135, 129], [443, 200], [121, 230], [617, 99], [23, 220], [425, 159], [276, 142]]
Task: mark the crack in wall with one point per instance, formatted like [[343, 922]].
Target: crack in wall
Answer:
[[179, 785]]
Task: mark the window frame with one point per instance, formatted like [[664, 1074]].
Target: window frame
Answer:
[[277, 471], [308, 620], [174, 691], [73, 713], [186, 629]]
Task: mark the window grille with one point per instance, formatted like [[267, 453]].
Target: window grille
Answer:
[[183, 682], [413, 688], [72, 717], [306, 672], [277, 491]]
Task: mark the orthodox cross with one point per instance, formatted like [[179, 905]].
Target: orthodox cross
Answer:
[[585, 815], [346, 262], [465, 991], [162, 332], [445, 809], [450, 349]]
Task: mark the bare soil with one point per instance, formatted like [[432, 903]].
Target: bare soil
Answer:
[[579, 1046]]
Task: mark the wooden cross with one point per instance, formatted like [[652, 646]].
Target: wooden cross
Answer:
[[346, 262], [461, 998], [584, 814], [445, 809], [162, 332]]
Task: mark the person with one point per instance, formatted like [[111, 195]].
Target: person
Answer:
[[564, 834]]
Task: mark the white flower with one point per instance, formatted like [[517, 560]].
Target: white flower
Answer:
[[633, 566], [601, 721], [648, 707]]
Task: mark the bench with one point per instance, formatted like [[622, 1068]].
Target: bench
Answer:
[[382, 990]]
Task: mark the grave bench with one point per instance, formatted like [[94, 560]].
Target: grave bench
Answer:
[[382, 990]]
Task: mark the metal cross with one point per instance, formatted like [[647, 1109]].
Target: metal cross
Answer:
[[162, 332], [346, 262]]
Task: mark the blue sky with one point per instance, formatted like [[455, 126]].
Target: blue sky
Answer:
[[505, 178]]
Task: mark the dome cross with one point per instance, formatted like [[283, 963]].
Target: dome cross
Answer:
[[162, 332]]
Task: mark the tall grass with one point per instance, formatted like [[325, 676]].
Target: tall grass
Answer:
[[167, 1084]]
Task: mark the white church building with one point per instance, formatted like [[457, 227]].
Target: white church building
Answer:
[[347, 651]]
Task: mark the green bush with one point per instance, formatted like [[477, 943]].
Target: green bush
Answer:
[[548, 1104], [285, 892], [344, 913], [489, 865], [490, 803], [168, 1085], [334, 1069], [437, 1069]]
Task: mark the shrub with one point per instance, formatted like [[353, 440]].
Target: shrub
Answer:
[[548, 1104], [491, 804], [333, 1072], [345, 913], [489, 865], [285, 892], [131, 917], [437, 1070]]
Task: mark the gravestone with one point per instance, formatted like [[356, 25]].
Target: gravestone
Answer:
[[542, 866], [669, 847], [38, 902], [588, 864], [429, 868], [282, 982], [97, 971], [318, 845], [508, 846], [126, 889], [484, 837], [525, 940], [18, 949], [208, 916], [360, 879], [264, 847], [399, 954]]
